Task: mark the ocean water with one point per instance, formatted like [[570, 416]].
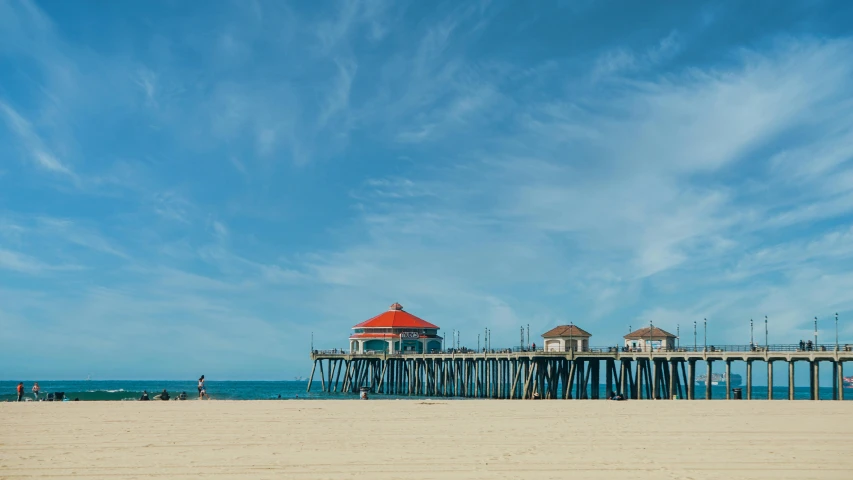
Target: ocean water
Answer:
[[87, 390], [288, 390]]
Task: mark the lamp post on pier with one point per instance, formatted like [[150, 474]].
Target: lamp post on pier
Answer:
[[571, 338], [766, 344], [751, 338], [836, 331], [678, 336], [694, 335], [815, 332], [528, 335], [706, 335], [651, 329]]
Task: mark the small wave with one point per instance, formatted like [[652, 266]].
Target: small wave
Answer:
[[105, 391]]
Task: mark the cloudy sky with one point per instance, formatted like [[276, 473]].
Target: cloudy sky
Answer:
[[188, 188]]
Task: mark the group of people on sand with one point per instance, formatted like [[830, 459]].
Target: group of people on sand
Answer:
[[35, 391], [164, 395]]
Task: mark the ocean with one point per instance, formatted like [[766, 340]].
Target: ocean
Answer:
[[101, 390]]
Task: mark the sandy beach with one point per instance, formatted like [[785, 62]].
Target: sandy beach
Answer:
[[420, 439]]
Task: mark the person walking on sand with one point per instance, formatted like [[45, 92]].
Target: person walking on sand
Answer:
[[20, 391], [201, 390], [36, 390]]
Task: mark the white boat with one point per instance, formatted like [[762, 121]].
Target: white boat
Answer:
[[719, 379]]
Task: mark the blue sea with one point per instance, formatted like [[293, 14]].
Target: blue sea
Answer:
[[86, 390]]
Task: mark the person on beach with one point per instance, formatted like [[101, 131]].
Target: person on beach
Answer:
[[144, 396], [36, 391], [162, 396], [201, 390], [20, 391]]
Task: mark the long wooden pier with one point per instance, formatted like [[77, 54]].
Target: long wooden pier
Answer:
[[511, 374]]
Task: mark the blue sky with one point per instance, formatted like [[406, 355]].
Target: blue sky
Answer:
[[189, 188]]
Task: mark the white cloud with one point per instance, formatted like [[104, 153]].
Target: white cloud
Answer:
[[34, 145]]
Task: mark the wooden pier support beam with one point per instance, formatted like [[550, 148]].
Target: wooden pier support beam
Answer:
[[840, 380], [835, 383], [790, 379], [769, 379], [638, 381], [708, 379], [691, 379], [596, 385], [672, 379], [311, 378], [815, 380], [608, 376], [728, 379], [749, 379]]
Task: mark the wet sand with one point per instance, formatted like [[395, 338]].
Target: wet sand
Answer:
[[420, 439]]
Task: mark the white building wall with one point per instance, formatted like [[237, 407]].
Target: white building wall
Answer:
[[562, 344]]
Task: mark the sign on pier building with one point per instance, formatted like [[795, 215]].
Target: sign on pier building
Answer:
[[394, 331]]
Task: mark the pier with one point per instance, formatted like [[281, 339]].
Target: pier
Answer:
[[575, 374]]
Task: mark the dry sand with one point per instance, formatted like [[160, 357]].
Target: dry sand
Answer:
[[414, 439]]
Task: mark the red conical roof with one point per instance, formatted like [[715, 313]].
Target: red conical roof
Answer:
[[395, 317]]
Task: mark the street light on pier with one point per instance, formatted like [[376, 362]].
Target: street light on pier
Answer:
[[766, 344], [815, 332], [694, 335], [706, 335], [571, 338], [751, 338], [651, 329], [836, 331], [678, 335]]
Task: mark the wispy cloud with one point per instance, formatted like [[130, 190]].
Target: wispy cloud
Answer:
[[22, 263], [483, 163], [35, 148]]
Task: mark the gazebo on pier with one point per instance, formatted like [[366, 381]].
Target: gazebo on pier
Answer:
[[565, 338], [395, 331], [648, 338]]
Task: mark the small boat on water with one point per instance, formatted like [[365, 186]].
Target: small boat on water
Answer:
[[719, 379]]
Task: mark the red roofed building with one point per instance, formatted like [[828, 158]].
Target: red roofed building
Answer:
[[395, 331]]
